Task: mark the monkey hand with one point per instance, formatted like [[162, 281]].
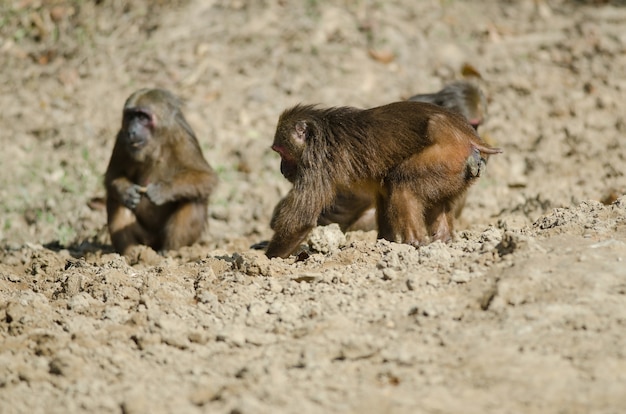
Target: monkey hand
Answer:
[[132, 196], [156, 193]]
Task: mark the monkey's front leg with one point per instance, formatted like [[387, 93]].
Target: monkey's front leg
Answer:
[[283, 244], [292, 221], [439, 220]]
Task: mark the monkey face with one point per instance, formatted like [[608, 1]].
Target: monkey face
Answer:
[[138, 127], [288, 165], [289, 143]]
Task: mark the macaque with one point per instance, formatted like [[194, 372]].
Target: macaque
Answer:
[[357, 211], [158, 182], [410, 157], [461, 97]]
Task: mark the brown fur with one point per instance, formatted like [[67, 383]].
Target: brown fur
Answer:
[[411, 157], [357, 211], [158, 189]]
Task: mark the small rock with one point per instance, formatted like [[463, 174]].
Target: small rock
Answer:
[[358, 347], [205, 394], [198, 337], [13, 278], [257, 308], [389, 274], [143, 255], [326, 239], [253, 263], [233, 336], [135, 404], [145, 340], [115, 314], [460, 276], [66, 365], [275, 308], [80, 302], [410, 284], [176, 339], [307, 277], [275, 286], [206, 297]]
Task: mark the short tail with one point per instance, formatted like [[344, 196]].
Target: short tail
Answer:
[[477, 162], [487, 150]]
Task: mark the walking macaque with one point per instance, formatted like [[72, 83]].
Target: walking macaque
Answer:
[[158, 182], [411, 157], [357, 211]]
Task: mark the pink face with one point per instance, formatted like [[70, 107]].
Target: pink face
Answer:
[[288, 165]]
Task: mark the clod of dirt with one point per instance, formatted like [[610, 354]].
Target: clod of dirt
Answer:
[[253, 263], [144, 255], [326, 239]]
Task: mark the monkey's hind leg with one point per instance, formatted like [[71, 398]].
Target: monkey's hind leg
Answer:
[[184, 226], [365, 222], [439, 220], [383, 219], [401, 217], [125, 231]]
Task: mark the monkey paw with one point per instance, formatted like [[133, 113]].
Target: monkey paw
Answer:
[[132, 196], [156, 194]]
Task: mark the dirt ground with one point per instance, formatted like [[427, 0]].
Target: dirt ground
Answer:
[[525, 312]]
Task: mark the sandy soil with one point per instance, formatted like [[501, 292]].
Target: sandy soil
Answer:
[[524, 312]]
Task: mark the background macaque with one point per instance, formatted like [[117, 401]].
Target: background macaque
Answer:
[[462, 97], [357, 211], [158, 182], [415, 159]]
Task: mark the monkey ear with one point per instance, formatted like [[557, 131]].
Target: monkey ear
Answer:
[[301, 130]]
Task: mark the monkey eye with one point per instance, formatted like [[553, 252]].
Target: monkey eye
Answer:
[[144, 117]]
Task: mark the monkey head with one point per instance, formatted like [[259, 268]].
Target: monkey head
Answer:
[[290, 141], [463, 97], [144, 118], [475, 107], [138, 125]]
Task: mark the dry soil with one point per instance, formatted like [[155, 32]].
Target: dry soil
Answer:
[[524, 313]]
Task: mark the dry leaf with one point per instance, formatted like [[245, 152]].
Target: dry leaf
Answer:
[[469, 71], [382, 56]]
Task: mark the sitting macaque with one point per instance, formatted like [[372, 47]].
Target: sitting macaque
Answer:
[[410, 157], [158, 182], [357, 211]]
